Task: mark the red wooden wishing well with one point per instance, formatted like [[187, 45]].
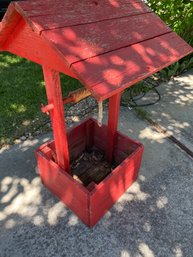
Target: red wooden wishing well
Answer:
[[108, 46]]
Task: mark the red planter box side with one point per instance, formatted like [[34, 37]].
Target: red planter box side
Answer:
[[92, 202]]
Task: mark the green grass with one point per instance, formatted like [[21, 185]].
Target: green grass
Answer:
[[22, 91]]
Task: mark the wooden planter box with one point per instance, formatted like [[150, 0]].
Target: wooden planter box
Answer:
[[92, 202]]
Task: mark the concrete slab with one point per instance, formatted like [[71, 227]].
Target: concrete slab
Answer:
[[153, 218], [175, 110]]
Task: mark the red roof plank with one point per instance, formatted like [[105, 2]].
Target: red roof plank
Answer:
[[108, 45], [85, 41], [38, 5], [111, 73], [43, 16]]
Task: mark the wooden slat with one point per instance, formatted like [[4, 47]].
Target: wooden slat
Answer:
[[77, 141], [113, 119], [85, 41], [38, 5], [54, 95], [61, 184], [69, 13], [114, 185], [111, 73]]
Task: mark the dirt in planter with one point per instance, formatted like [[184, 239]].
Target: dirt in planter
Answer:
[[91, 167]]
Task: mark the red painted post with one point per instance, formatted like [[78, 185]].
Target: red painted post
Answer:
[[54, 95], [113, 116]]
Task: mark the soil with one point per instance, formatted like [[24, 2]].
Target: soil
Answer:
[[91, 166]]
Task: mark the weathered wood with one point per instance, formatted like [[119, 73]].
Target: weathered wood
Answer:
[[107, 56], [85, 41], [76, 141], [27, 44], [67, 5], [44, 15], [90, 203], [54, 95], [110, 190], [61, 184], [112, 72], [113, 117], [89, 134], [8, 24]]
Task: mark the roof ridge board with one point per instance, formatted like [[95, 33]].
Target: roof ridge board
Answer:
[[93, 22], [50, 3], [24, 16], [138, 42], [53, 11], [42, 22], [60, 13]]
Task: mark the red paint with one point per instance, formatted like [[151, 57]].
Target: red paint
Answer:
[[108, 46], [93, 38], [113, 118], [54, 95], [7, 25], [91, 203], [111, 73], [47, 108], [43, 15], [27, 44]]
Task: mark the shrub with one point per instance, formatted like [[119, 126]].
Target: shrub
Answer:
[[178, 14]]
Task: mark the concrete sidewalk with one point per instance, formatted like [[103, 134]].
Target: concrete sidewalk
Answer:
[[153, 218], [175, 110]]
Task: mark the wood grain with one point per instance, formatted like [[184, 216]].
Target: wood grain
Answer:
[[115, 184], [8, 24], [122, 44], [61, 184], [44, 15], [111, 73], [113, 120], [54, 95], [90, 203], [85, 41], [27, 44]]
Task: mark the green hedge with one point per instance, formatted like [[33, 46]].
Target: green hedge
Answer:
[[178, 14]]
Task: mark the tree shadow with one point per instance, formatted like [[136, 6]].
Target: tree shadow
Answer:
[[174, 111], [153, 218], [149, 218]]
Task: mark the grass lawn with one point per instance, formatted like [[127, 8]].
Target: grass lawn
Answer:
[[21, 93]]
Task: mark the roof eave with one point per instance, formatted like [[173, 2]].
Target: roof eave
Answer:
[[8, 24]]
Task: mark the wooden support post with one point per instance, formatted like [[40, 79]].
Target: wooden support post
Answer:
[[54, 95], [113, 117]]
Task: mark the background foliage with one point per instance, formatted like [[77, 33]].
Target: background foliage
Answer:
[[178, 14]]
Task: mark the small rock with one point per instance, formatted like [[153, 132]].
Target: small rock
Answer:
[[37, 132], [17, 141], [23, 138]]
